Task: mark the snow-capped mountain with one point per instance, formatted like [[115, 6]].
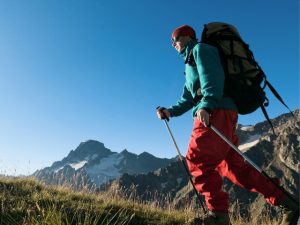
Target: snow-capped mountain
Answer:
[[91, 163]]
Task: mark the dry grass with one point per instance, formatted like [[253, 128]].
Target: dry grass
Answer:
[[28, 202]]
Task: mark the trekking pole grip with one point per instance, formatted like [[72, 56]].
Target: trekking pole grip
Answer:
[[161, 109]]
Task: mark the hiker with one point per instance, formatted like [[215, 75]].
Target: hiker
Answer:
[[208, 157]]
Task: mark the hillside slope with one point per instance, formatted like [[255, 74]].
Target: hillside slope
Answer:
[[26, 202]]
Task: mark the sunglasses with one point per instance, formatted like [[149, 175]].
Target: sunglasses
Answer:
[[175, 39]]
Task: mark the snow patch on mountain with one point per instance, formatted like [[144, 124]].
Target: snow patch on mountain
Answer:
[[107, 166], [78, 165], [247, 128], [250, 142], [106, 169], [60, 168]]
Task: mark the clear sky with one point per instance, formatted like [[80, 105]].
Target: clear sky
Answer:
[[76, 70]]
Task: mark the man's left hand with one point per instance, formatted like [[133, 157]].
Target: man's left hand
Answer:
[[203, 116]]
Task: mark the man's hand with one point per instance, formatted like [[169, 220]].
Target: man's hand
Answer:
[[203, 116], [163, 113]]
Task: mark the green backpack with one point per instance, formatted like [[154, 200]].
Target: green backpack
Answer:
[[245, 81]]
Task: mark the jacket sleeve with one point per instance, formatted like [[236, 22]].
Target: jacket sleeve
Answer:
[[211, 76], [183, 105]]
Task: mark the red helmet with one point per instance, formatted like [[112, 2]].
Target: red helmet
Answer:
[[184, 30]]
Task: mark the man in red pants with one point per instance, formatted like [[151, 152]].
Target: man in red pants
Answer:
[[209, 158]]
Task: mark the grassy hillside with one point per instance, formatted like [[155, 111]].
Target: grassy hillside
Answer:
[[25, 201]]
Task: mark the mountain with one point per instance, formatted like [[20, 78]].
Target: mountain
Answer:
[[92, 164], [278, 155]]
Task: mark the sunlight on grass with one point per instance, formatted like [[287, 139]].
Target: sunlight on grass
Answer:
[[28, 202]]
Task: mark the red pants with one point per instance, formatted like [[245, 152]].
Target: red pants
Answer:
[[209, 158]]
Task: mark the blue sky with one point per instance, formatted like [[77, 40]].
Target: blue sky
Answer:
[[78, 70]]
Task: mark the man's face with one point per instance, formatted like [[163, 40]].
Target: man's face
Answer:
[[180, 42]]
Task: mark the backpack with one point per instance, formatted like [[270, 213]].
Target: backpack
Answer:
[[245, 81]]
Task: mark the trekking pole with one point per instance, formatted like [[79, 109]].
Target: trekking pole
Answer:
[[184, 164], [249, 161]]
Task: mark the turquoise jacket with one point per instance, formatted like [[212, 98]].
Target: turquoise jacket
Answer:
[[206, 77]]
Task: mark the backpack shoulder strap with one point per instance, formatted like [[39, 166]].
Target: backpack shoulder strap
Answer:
[[190, 57]]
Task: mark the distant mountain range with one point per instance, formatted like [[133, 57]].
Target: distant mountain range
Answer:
[[92, 164]]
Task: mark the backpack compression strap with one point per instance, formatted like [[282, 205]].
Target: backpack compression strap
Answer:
[[263, 109], [278, 96]]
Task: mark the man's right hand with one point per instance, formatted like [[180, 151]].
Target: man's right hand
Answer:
[[163, 113]]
